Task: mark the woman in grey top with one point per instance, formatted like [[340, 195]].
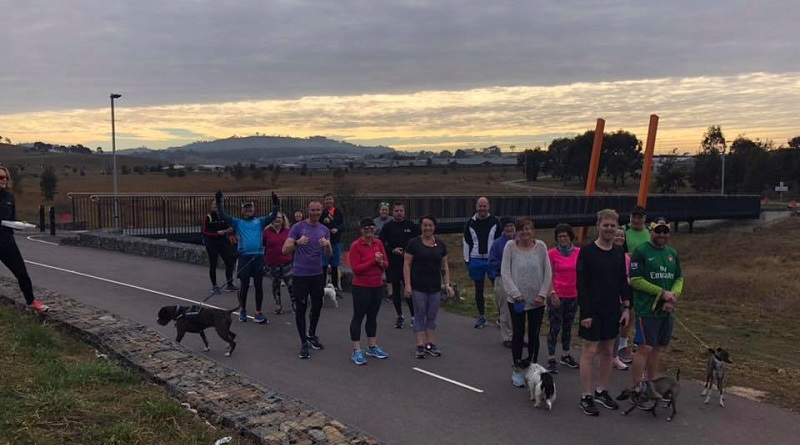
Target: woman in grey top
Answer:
[[527, 278]]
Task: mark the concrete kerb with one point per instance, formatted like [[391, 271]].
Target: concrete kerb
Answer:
[[221, 395]]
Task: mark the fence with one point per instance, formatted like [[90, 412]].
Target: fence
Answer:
[[169, 215]]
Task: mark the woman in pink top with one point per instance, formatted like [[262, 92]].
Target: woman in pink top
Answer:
[[563, 299], [278, 264], [368, 261]]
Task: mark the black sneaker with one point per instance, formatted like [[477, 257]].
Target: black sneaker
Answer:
[[567, 360], [431, 349], [305, 352], [588, 407], [232, 288], [420, 354], [313, 340], [605, 399], [552, 366], [400, 322]]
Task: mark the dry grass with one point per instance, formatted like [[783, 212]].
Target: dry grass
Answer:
[[53, 390]]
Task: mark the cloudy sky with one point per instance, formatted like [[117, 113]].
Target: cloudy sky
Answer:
[[410, 74]]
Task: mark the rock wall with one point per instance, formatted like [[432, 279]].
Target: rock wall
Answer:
[[220, 395]]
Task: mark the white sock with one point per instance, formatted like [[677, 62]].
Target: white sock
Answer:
[[623, 343]]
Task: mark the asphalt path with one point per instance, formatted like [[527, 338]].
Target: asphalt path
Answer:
[[396, 400]]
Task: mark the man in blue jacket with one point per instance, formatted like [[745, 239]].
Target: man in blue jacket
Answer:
[[495, 260]]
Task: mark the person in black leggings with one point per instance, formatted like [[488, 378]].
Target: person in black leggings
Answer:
[[368, 261], [9, 252], [215, 238], [395, 235]]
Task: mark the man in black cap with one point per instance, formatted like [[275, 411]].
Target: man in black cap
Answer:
[[636, 232], [495, 261]]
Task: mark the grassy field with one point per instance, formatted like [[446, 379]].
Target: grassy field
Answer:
[[741, 294], [54, 390]]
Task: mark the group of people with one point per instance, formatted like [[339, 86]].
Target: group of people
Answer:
[[626, 270]]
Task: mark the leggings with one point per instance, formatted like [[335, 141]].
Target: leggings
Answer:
[[216, 248], [426, 308], [12, 258], [251, 266], [534, 318], [561, 319], [397, 299], [278, 273], [480, 301], [366, 302], [303, 288]]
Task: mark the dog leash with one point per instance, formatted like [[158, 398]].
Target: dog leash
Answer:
[[219, 288], [702, 343]]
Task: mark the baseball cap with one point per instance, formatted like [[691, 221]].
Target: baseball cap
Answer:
[[247, 204], [660, 222], [638, 210], [367, 222]]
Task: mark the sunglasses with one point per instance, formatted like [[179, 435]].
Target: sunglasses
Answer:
[[3, 177], [661, 229]]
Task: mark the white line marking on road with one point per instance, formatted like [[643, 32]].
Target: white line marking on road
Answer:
[[33, 238], [471, 388], [119, 283]]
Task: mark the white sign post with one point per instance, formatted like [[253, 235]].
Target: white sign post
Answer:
[[780, 188]]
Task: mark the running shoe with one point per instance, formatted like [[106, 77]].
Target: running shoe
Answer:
[[400, 322], [377, 352], [278, 309], [605, 399], [517, 379], [480, 322], [260, 318], [567, 360], [232, 288], [552, 366], [625, 355], [305, 352], [358, 357], [619, 364], [38, 306], [431, 349], [420, 354], [216, 289], [588, 407], [313, 340], [243, 316]]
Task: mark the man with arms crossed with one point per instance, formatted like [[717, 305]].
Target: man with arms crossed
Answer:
[[479, 233], [308, 240], [604, 302], [657, 282]]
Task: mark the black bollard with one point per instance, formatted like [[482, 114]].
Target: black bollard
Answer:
[[52, 221], [41, 218]]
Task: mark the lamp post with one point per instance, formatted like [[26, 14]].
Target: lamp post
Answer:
[[723, 172], [114, 160]]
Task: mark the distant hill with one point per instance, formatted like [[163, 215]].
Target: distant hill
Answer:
[[259, 149]]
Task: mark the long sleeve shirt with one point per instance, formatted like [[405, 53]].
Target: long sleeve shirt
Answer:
[[602, 281], [526, 273], [249, 231], [496, 255], [366, 271]]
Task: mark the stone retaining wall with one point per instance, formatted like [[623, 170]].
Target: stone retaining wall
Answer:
[[220, 395]]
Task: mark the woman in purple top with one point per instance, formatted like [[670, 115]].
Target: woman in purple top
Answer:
[[308, 240]]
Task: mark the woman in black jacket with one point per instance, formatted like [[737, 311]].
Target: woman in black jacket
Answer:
[[9, 252]]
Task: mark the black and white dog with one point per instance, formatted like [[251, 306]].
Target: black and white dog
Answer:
[[540, 384], [715, 371], [196, 319]]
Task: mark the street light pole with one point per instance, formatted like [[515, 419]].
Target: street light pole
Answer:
[[114, 160], [723, 171]]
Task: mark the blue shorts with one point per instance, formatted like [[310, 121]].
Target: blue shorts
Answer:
[[478, 268], [334, 259], [653, 331]]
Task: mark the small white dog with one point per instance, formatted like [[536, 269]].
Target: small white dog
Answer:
[[330, 294], [541, 385]]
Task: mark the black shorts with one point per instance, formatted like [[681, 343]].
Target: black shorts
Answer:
[[653, 331], [604, 327]]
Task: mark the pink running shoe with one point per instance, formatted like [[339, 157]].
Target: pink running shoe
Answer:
[[38, 306]]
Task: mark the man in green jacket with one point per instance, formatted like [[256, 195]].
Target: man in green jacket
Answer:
[[657, 282]]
